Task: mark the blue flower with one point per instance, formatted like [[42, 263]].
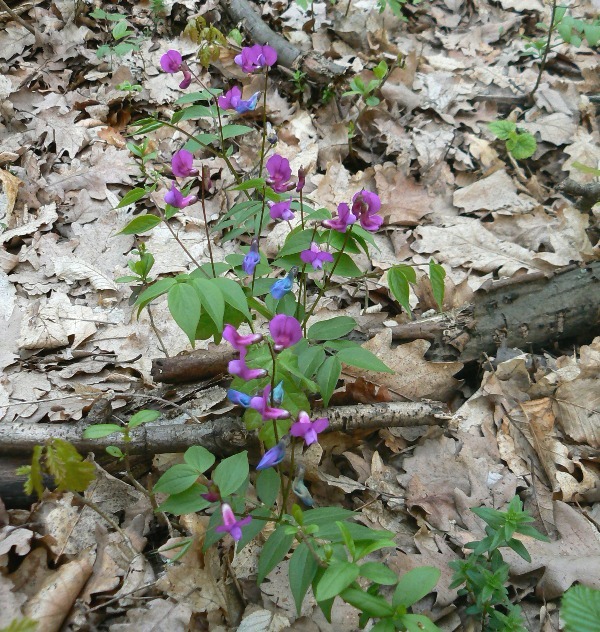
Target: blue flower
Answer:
[[280, 288], [300, 489], [278, 393], [252, 259], [237, 397], [272, 457]]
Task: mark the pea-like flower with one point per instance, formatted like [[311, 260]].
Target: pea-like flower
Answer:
[[285, 331], [301, 180], [278, 393], [281, 287], [300, 489], [252, 258], [182, 164], [237, 397], [315, 256], [255, 57], [175, 197], [308, 429], [272, 457], [281, 210], [261, 404], [237, 341], [365, 206], [232, 100], [212, 494], [280, 172], [239, 368], [172, 62], [342, 221], [230, 524]]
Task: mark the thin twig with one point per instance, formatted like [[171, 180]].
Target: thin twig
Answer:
[[163, 348], [18, 18], [546, 50]]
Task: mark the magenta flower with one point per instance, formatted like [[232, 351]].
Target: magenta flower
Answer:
[[256, 57], [315, 256], [281, 210], [365, 206], [261, 403], [285, 331], [237, 341], [308, 429], [171, 61], [301, 180], [272, 457], [252, 258], [343, 220], [212, 493], [175, 198], [232, 100], [230, 524], [239, 368], [280, 173], [182, 164]]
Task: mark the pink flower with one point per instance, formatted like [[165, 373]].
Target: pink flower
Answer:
[[315, 256], [343, 220], [175, 198], [365, 205], [301, 180], [280, 173], [230, 524], [261, 404], [285, 331], [232, 100], [171, 61], [281, 210], [182, 164], [239, 368], [237, 341], [256, 57], [308, 429]]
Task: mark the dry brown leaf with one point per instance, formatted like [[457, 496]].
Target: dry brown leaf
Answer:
[[8, 195], [158, 614], [577, 407]]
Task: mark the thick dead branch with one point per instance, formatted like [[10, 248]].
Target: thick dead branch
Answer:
[[528, 311], [589, 193], [221, 436], [192, 367], [318, 68]]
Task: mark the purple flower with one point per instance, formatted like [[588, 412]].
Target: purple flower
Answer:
[[261, 403], [256, 57], [280, 173], [237, 397], [171, 61], [182, 164], [187, 77], [280, 288], [365, 205], [308, 429], [285, 331], [232, 100], [272, 457], [343, 220], [175, 198], [281, 210], [301, 180], [252, 259], [239, 368], [212, 494], [237, 341], [315, 256], [230, 524]]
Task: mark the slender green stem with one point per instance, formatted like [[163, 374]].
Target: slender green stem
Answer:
[[203, 201], [302, 211], [546, 50], [264, 124]]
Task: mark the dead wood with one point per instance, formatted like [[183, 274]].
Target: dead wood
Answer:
[[589, 192], [222, 436], [532, 310], [192, 367], [318, 68]]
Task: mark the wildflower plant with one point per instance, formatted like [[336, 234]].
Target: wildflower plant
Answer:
[[262, 308]]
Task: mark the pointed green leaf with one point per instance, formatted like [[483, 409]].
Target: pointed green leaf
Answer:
[[176, 479], [140, 224], [338, 576], [331, 329], [414, 585], [212, 299], [231, 473], [363, 359], [302, 570], [98, 431], [184, 305], [274, 550], [437, 274], [142, 417], [199, 458], [327, 377]]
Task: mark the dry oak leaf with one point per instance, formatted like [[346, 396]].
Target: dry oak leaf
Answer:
[[158, 614], [577, 406], [413, 377], [45, 217], [8, 194], [575, 557], [60, 128]]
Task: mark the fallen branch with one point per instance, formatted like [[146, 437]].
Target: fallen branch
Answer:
[[589, 193], [222, 436], [192, 367]]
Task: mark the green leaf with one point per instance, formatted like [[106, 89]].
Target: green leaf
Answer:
[[592, 34], [194, 112], [67, 466], [414, 585], [274, 550], [212, 300], [502, 129], [114, 451], [346, 266], [176, 479], [154, 291], [581, 609], [251, 530], [35, 480], [586, 169], [331, 329], [398, 282], [142, 417], [203, 95], [522, 146], [363, 359], [231, 472], [253, 183], [347, 537], [418, 623], [310, 360], [186, 502], [21, 625], [327, 515], [337, 577], [230, 131], [101, 430], [184, 305], [140, 224], [119, 30], [268, 484], [133, 196], [385, 625], [372, 605], [233, 295], [327, 377], [437, 274], [378, 573], [302, 570], [199, 458], [147, 125]]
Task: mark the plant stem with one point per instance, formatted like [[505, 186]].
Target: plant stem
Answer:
[[264, 124], [203, 201], [18, 18], [163, 348], [546, 50]]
